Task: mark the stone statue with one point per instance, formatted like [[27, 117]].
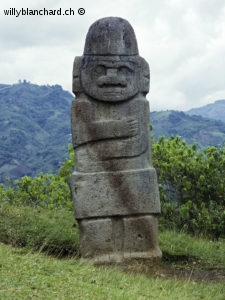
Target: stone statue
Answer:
[[115, 187]]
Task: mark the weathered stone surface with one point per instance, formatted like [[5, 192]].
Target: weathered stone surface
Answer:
[[115, 185], [103, 194], [111, 136], [117, 239], [111, 36]]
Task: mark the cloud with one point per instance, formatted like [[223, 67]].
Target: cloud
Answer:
[[183, 41]]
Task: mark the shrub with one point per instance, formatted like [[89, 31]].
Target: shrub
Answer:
[[192, 186], [46, 190], [191, 183]]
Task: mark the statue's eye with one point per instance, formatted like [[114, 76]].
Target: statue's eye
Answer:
[[123, 70], [100, 70]]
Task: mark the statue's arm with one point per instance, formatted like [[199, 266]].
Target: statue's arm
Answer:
[[85, 129], [110, 129]]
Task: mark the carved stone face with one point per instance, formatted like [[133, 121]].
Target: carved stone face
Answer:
[[110, 78]]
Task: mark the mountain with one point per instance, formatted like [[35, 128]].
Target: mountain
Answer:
[[204, 131], [214, 110], [34, 128]]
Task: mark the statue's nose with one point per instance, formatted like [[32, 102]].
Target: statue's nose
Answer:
[[111, 72], [111, 78]]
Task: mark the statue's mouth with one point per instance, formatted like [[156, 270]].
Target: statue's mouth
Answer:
[[107, 81], [112, 90], [112, 86]]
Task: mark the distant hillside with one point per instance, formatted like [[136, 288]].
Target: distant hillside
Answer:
[[34, 128], [214, 110], [206, 132]]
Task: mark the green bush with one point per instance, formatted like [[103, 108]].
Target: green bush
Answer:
[[192, 186], [37, 212], [46, 190], [196, 219], [186, 173], [191, 183]]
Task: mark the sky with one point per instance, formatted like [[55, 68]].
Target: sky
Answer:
[[182, 40]]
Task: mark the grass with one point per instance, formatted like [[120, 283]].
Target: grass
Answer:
[[26, 275], [201, 251], [27, 271], [52, 231]]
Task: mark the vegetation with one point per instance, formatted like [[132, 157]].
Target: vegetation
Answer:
[[55, 232], [191, 182], [51, 231], [191, 268], [192, 186], [46, 190], [27, 275], [36, 215]]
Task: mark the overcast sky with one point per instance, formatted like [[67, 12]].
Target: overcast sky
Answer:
[[182, 40]]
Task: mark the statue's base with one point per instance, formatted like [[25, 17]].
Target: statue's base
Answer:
[[130, 242], [146, 263], [117, 217]]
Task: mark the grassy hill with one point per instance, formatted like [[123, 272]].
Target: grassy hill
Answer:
[[206, 132], [34, 130], [28, 275], [192, 267]]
